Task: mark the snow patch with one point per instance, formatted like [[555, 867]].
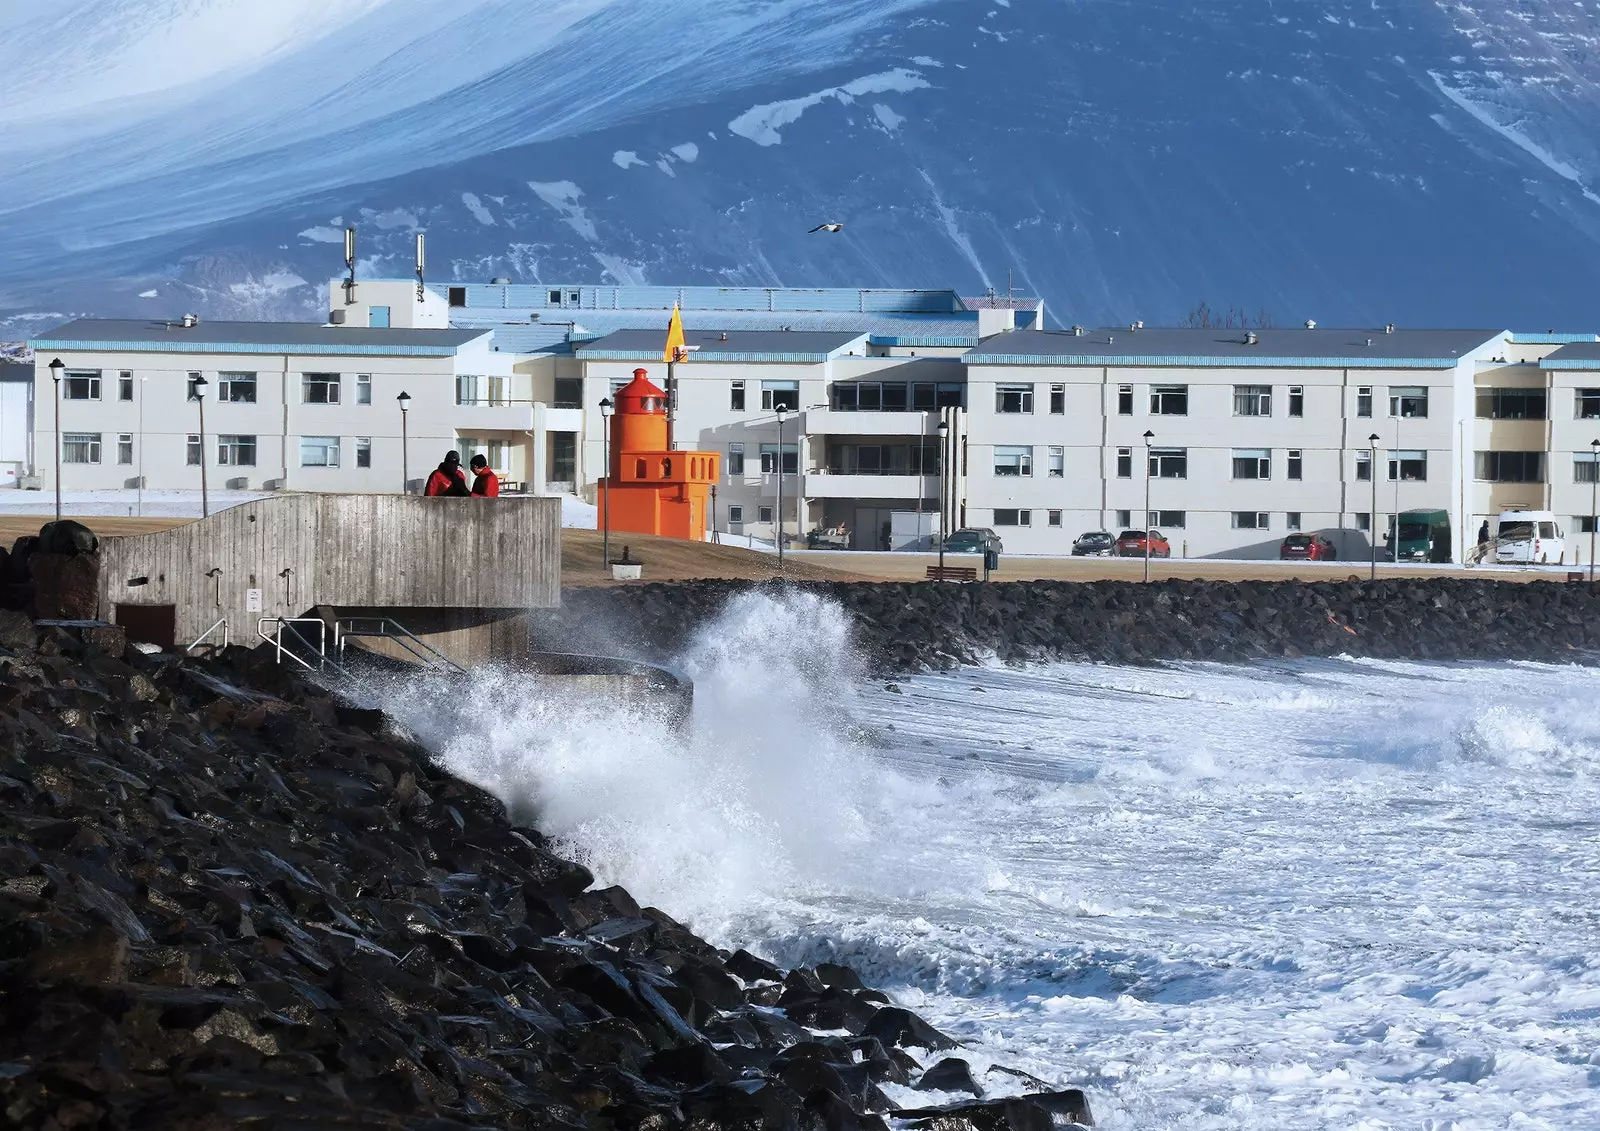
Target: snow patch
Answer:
[[688, 152], [475, 206], [926, 61], [147, 294], [269, 285], [761, 124], [628, 274], [563, 197], [889, 119], [390, 219], [953, 229], [322, 234], [1516, 137], [625, 159], [665, 165]]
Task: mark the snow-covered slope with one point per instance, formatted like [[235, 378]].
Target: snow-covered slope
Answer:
[[1351, 160]]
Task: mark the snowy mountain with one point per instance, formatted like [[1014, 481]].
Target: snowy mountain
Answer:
[[1357, 161]]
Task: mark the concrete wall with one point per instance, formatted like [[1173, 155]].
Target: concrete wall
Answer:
[[297, 552]]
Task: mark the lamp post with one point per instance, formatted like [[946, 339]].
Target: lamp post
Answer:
[[944, 461], [143, 384], [1372, 519], [404, 401], [1148, 436], [1594, 486], [605, 483], [56, 366], [782, 410], [200, 386]]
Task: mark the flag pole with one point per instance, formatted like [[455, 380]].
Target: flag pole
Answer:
[[670, 353]]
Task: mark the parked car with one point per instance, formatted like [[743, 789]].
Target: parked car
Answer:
[[1533, 537], [1094, 544], [1307, 548], [974, 540], [1130, 544]]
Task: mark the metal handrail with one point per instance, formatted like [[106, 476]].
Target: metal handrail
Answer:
[[221, 622], [286, 624], [388, 629]]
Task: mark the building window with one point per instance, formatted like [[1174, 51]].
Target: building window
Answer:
[[763, 514], [951, 394], [80, 447], [618, 384], [1588, 403], [1057, 463], [81, 386], [1013, 460], [194, 450], [1408, 400], [1291, 520], [1054, 517], [736, 397], [194, 386], [1583, 524], [363, 388], [323, 388], [1013, 399], [780, 394], [1124, 519], [1297, 400], [1510, 467], [1408, 466], [1169, 463], [1514, 404], [1252, 400], [735, 459], [1124, 463], [1169, 400], [1293, 464], [1172, 520], [236, 451], [1058, 400], [735, 514], [1250, 520], [568, 393], [1252, 463], [1013, 517], [553, 298], [125, 448], [1124, 404], [1363, 520], [125, 386], [363, 451], [1583, 467], [1363, 466], [319, 451], [456, 296], [769, 459], [1364, 400], [236, 388]]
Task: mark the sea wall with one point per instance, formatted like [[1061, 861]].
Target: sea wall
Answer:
[[903, 627]]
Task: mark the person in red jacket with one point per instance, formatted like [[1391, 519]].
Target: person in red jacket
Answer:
[[486, 485], [448, 478]]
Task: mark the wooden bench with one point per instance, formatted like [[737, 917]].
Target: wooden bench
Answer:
[[952, 573]]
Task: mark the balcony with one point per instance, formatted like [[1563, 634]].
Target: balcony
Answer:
[[831, 422], [823, 485], [486, 416]]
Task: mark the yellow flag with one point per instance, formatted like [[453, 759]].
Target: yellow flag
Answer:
[[674, 348]]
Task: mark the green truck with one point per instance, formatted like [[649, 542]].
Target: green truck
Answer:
[[1424, 536]]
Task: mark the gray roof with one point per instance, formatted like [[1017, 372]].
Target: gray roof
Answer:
[[10, 373], [134, 334], [1275, 348], [724, 345], [516, 332], [1578, 355]]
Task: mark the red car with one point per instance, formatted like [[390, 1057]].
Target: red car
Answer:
[[1130, 544], [1307, 548]]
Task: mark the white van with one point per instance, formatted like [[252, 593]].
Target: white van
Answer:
[[1529, 537]]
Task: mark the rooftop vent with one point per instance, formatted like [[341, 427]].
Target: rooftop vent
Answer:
[[1311, 323], [1077, 331], [1369, 343], [190, 321], [723, 337], [1251, 338], [499, 280], [1389, 329], [1133, 327]]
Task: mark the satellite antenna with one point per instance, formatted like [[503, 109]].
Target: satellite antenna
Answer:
[[421, 260], [350, 265]]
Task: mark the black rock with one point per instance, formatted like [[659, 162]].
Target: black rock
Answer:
[[903, 1029], [952, 1074]]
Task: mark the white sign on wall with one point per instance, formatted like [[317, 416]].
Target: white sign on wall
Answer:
[[252, 600]]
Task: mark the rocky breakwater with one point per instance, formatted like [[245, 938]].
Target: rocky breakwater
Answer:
[[229, 900], [903, 627]]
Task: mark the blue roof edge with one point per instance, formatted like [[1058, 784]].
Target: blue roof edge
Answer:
[[1211, 362], [44, 345]]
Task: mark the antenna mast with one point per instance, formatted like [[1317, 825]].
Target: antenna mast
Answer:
[[350, 265], [421, 259]]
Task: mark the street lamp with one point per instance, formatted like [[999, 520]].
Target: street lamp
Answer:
[[782, 409], [1372, 519], [605, 483], [1148, 436], [198, 388], [404, 401], [944, 460], [56, 366], [1594, 486]]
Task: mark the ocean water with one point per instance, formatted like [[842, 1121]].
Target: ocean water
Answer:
[[1320, 894]]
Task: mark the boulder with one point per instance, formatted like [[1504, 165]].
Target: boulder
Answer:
[[67, 537], [65, 587], [901, 1028]]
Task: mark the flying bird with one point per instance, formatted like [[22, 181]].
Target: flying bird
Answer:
[[827, 228]]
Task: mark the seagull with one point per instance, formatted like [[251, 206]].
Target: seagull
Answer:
[[827, 228]]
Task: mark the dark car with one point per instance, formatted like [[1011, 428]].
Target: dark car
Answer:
[[1130, 544], [974, 540], [1094, 544], [1307, 548]]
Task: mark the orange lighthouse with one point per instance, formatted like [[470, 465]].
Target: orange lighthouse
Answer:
[[650, 489]]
